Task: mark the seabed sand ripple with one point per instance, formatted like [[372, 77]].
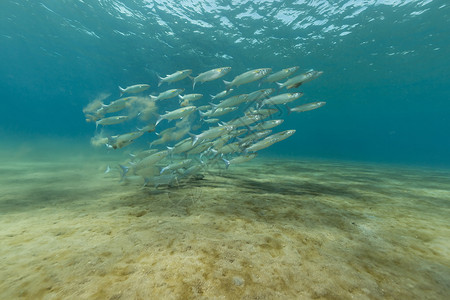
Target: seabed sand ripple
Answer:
[[269, 229]]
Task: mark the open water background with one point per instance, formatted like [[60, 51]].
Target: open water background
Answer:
[[386, 66]]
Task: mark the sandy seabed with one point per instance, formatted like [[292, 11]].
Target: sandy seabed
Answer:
[[267, 229]]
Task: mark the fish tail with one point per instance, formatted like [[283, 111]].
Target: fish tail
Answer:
[[279, 85], [159, 120], [160, 80], [213, 106], [153, 97], [288, 109], [227, 162], [194, 138], [227, 84], [122, 91], [108, 169], [125, 170], [202, 115], [162, 170]]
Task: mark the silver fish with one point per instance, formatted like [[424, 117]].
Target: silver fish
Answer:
[[191, 171], [211, 133], [115, 106], [151, 160], [239, 159], [120, 141], [260, 94], [204, 107], [248, 77], [200, 148], [213, 120], [230, 148], [111, 120], [190, 97], [221, 141], [232, 101], [270, 140], [255, 136], [182, 146], [148, 128], [221, 94], [159, 180], [175, 166], [176, 114], [133, 89], [167, 94], [211, 75], [177, 76], [281, 74], [263, 112], [260, 145], [298, 80], [266, 125], [143, 154], [244, 121], [281, 99], [307, 106], [218, 112], [279, 136]]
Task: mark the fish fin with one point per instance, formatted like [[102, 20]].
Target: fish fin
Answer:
[[194, 138], [227, 84], [108, 169], [122, 91]]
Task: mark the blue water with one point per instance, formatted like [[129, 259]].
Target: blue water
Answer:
[[386, 66]]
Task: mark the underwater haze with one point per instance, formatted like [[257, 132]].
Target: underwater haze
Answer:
[[385, 62]]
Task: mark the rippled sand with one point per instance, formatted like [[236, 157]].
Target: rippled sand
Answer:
[[267, 229]]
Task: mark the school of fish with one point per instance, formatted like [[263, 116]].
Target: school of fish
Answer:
[[200, 138]]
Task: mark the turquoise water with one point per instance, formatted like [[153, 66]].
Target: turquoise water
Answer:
[[385, 66]]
